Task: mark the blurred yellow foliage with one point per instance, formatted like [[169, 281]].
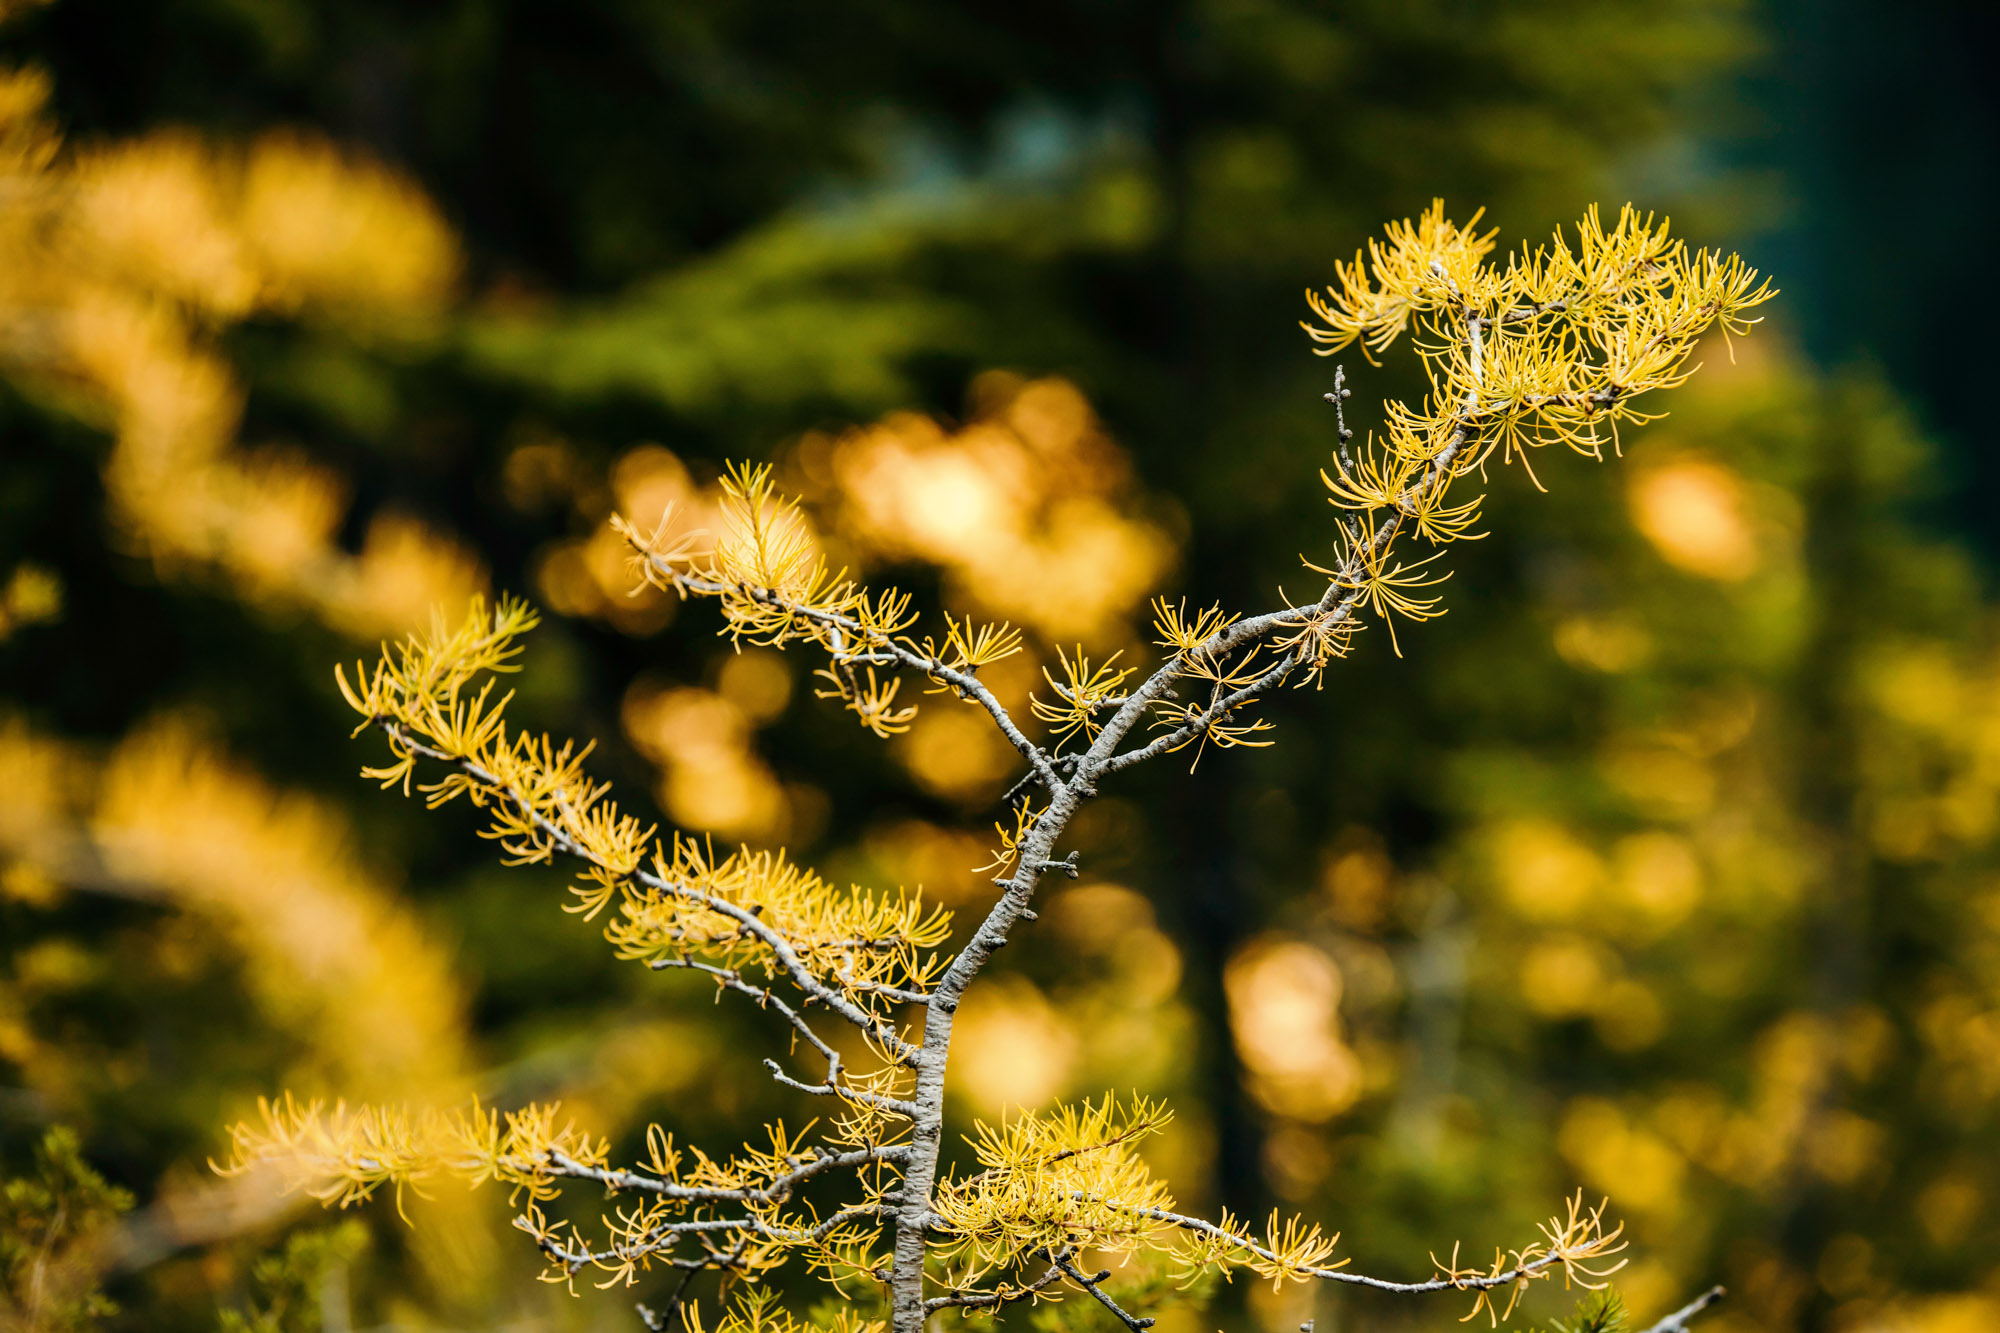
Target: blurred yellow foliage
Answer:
[[1658, 874], [1358, 879], [637, 1063], [1934, 771], [1970, 1313], [332, 957], [1122, 996], [956, 755], [591, 576], [1660, 779], [711, 777], [1564, 976], [1546, 874], [914, 851], [122, 262], [175, 818], [167, 817], [1945, 1206], [1604, 643], [334, 231], [1606, 1147]]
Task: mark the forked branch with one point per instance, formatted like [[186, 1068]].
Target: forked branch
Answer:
[[1554, 347]]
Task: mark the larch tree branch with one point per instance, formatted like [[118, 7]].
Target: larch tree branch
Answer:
[[1553, 347]]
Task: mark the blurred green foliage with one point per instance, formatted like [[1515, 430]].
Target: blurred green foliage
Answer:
[[1602, 1313], [291, 1282], [48, 1222]]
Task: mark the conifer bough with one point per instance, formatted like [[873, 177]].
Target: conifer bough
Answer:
[[1555, 346]]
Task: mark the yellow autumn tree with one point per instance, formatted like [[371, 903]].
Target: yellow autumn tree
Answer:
[[1552, 345]]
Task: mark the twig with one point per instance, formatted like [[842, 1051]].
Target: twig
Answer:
[[968, 685], [1089, 1284], [1339, 398], [986, 1300], [657, 1323], [780, 1188], [666, 1235], [746, 920], [1677, 1322], [1463, 1282]]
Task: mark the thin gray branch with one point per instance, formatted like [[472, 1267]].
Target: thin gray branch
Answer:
[[1217, 713], [652, 1246], [730, 979], [780, 1188], [1677, 1322], [968, 685], [1338, 398], [1344, 591], [993, 1300], [1475, 1282], [1090, 1284]]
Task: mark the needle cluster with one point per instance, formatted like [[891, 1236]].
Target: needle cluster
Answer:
[[1066, 1180], [1555, 347], [434, 698], [742, 1212]]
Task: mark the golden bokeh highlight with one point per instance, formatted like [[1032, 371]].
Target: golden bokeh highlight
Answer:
[[1698, 515], [1011, 1048], [938, 859], [710, 776], [1562, 977], [1027, 509], [1284, 1011], [956, 753], [1658, 876], [1121, 993], [1611, 644], [1604, 1145], [1545, 873], [1357, 878], [32, 595], [590, 576]]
